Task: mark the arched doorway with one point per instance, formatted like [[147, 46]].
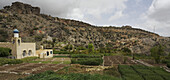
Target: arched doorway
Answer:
[[30, 52], [24, 53]]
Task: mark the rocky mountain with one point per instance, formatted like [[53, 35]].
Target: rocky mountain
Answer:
[[40, 28]]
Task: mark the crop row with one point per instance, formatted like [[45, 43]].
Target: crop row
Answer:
[[142, 73]]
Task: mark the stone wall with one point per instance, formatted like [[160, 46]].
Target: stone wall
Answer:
[[26, 47]]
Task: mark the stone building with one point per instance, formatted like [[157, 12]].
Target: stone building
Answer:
[[45, 53], [19, 49]]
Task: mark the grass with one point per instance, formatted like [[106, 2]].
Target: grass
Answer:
[[67, 62]]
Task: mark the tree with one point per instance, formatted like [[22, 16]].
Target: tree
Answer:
[[4, 52], [157, 52], [90, 48], [68, 47], [126, 50]]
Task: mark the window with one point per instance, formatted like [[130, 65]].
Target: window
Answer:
[[47, 53], [29, 52], [51, 52], [24, 53], [18, 42]]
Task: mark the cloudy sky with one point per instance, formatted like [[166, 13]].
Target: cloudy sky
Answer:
[[151, 15]]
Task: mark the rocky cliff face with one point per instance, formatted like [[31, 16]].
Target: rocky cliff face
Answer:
[[20, 8], [35, 27]]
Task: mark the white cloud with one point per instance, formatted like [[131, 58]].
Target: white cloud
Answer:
[[86, 10], [158, 16], [117, 15]]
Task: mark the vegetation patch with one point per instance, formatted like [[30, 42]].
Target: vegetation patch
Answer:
[[28, 59], [4, 52], [10, 61], [141, 72], [85, 56], [50, 75]]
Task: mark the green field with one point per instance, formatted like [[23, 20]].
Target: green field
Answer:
[[49, 75], [140, 72]]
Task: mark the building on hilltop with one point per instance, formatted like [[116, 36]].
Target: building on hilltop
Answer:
[[21, 50]]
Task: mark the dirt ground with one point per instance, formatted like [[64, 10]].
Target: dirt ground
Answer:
[[116, 60], [13, 72]]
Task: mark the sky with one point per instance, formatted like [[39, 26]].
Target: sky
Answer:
[[150, 15]]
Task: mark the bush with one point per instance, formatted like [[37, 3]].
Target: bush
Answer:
[[157, 52], [38, 37], [87, 61], [61, 52], [4, 52], [85, 56], [4, 35], [28, 59], [126, 50], [9, 61]]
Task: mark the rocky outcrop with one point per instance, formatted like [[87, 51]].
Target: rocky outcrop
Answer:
[[21, 8]]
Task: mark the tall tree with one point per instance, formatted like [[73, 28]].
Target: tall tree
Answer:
[[157, 52], [90, 48]]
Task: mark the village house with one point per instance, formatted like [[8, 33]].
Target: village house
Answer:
[[21, 50]]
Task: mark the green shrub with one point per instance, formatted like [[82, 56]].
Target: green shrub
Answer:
[[4, 52], [81, 48], [87, 61], [61, 52], [126, 50], [9, 61], [28, 59], [38, 37], [165, 61], [85, 56], [4, 35]]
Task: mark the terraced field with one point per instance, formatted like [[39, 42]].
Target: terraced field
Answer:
[[139, 72], [33, 67]]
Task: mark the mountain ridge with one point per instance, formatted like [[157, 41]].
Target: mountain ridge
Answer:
[[37, 27]]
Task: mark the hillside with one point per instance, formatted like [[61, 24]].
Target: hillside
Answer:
[[37, 27]]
